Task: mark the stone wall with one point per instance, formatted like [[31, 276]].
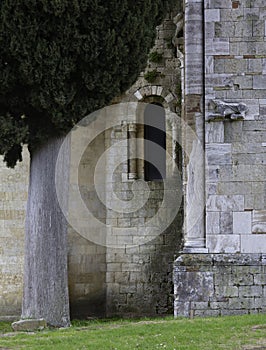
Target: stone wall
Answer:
[[86, 258], [139, 274], [220, 284], [129, 272], [235, 59], [13, 198], [230, 277]]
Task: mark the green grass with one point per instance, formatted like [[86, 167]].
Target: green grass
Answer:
[[198, 334]]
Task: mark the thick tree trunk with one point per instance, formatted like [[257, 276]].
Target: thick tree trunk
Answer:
[[45, 275]]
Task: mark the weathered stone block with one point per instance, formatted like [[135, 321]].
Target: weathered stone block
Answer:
[[219, 69], [226, 292], [242, 222], [259, 82], [181, 308], [215, 132], [244, 303], [194, 286], [235, 65], [217, 46], [220, 4], [264, 66], [218, 154], [226, 223], [29, 325], [218, 305], [260, 279], [209, 29], [255, 66], [243, 29], [229, 15], [212, 15], [223, 243], [223, 275], [254, 243], [250, 291], [213, 222], [206, 313], [247, 269], [258, 28], [237, 83], [259, 221], [240, 279], [252, 13], [223, 29], [114, 267], [230, 312], [225, 203]]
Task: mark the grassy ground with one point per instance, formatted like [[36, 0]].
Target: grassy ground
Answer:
[[242, 332]]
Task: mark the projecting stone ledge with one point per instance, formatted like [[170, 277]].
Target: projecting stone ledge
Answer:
[[29, 325], [227, 111]]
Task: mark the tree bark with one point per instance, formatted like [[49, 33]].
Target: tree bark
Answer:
[[45, 273]]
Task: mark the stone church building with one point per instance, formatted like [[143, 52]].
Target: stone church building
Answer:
[[178, 224]]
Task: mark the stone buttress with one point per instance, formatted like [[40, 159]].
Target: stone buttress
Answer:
[[225, 86]]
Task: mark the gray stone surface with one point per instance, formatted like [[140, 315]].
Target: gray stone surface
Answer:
[[234, 282], [236, 74], [242, 222], [29, 325], [223, 243], [259, 221]]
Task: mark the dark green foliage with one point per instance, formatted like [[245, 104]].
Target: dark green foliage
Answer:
[[155, 57], [13, 133], [62, 59], [151, 75]]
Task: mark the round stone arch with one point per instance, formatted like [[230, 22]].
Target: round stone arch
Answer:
[[156, 93]]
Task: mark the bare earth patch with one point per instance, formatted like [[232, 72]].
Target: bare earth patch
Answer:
[[262, 343], [259, 326], [256, 348]]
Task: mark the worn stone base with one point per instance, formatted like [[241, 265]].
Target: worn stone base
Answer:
[[219, 284], [29, 325]]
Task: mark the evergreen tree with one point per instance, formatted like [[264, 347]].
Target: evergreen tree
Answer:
[[60, 60]]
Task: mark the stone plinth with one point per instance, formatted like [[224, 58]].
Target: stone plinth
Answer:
[[219, 284]]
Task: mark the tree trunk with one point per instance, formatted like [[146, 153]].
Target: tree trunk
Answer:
[[45, 274]]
